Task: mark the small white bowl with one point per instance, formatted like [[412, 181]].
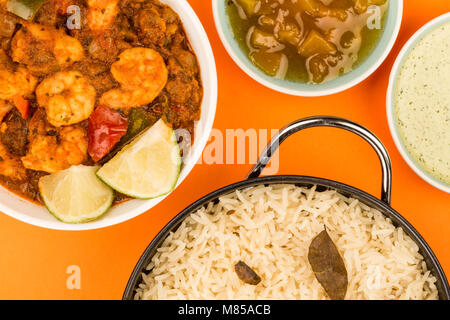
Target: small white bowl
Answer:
[[31, 213], [404, 53], [351, 79]]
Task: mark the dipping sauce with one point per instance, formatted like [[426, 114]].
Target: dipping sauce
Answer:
[[310, 41], [422, 100]]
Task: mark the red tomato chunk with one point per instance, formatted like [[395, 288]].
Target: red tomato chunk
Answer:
[[106, 128]]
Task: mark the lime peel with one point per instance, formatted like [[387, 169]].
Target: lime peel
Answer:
[[76, 195]]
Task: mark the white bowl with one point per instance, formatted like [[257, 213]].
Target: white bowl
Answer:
[[419, 35], [359, 74], [31, 213]]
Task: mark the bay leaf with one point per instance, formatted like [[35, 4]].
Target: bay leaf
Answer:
[[246, 274], [328, 266]]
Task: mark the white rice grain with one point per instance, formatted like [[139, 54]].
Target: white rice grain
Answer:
[[270, 228]]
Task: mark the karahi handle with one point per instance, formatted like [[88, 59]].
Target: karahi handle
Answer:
[[328, 121]]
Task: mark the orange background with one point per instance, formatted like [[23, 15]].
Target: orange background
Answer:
[[33, 261]]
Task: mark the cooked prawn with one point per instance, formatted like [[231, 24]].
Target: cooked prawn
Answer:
[[14, 80], [142, 75], [54, 149], [67, 96], [12, 84], [11, 166], [45, 49], [102, 13]]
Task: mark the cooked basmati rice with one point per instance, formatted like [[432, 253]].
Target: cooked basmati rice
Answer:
[[270, 228]]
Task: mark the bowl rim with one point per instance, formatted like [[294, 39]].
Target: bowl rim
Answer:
[[390, 104], [304, 181], [208, 69], [342, 83]]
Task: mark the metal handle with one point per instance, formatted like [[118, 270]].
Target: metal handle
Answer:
[[334, 122]]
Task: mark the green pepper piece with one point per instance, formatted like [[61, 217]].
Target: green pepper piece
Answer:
[[138, 121], [25, 9]]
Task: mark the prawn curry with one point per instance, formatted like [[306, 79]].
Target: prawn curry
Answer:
[[310, 41], [71, 96]]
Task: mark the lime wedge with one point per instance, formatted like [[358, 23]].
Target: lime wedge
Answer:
[[146, 168], [76, 195]]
